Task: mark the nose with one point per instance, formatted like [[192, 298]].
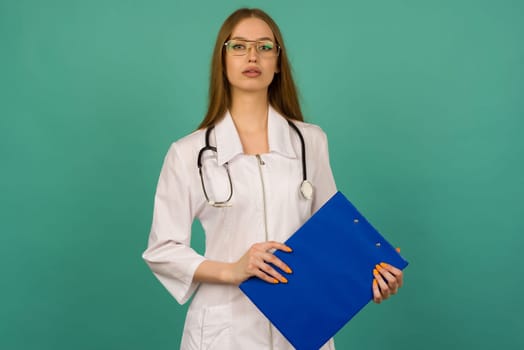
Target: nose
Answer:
[[252, 53]]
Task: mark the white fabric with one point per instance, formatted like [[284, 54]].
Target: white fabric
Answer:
[[220, 316]]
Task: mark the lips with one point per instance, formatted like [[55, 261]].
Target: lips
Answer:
[[252, 72]]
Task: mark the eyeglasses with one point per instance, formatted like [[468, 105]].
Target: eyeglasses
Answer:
[[264, 48]]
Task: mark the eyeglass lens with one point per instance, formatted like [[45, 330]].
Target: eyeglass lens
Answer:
[[264, 48]]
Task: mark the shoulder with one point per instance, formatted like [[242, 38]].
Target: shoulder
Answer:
[[312, 133], [194, 140], [187, 147], [315, 140]]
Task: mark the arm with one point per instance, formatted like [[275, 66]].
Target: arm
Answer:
[[322, 179], [169, 254], [253, 263], [387, 279]]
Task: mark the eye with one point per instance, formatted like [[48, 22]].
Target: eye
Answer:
[[237, 46], [265, 46]]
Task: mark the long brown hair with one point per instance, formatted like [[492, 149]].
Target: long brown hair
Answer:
[[282, 92]]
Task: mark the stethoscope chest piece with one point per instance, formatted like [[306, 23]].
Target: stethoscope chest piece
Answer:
[[306, 188]]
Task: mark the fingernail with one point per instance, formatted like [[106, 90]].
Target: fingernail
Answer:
[[275, 280], [375, 272], [383, 264], [398, 250], [283, 280], [288, 249], [378, 267], [288, 270], [374, 282]]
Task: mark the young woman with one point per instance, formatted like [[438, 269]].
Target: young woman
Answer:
[[241, 174]]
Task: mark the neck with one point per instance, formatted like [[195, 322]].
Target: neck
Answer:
[[249, 111]]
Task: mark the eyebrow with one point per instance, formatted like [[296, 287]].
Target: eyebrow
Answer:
[[258, 39]]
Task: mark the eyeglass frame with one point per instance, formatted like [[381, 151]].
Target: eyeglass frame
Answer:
[[256, 47]]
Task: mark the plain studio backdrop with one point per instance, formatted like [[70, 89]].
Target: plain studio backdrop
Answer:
[[423, 104]]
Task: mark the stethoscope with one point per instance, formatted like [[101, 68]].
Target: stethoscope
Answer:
[[306, 188]]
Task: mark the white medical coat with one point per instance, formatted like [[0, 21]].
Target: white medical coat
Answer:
[[266, 205]]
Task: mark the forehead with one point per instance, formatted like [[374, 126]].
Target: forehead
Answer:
[[252, 28]]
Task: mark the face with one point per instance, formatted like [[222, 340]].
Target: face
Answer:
[[251, 72]]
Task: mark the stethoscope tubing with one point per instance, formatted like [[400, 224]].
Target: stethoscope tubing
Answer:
[[306, 188], [302, 151]]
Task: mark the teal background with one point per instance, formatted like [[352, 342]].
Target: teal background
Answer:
[[423, 104]]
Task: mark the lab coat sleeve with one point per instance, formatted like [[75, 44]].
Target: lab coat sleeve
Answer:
[[325, 186], [169, 254]]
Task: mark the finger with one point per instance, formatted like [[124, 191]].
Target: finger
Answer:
[[395, 271], [399, 275], [265, 277], [390, 279], [254, 268], [398, 250], [384, 289], [269, 257], [377, 297], [276, 245], [275, 261], [268, 269]]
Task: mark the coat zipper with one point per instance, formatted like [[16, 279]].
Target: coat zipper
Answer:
[[260, 164]]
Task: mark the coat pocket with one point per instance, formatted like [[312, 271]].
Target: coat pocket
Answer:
[[208, 328], [216, 327]]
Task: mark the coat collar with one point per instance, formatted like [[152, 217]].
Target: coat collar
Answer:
[[228, 141]]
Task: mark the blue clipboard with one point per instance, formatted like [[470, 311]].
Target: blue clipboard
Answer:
[[334, 254]]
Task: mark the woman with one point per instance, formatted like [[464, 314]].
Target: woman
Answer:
[[247, 196]]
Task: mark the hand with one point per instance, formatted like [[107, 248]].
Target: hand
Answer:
[[255, 262], [388, 279]]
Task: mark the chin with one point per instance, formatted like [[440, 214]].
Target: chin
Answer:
[[242, 83], [250, 87]]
